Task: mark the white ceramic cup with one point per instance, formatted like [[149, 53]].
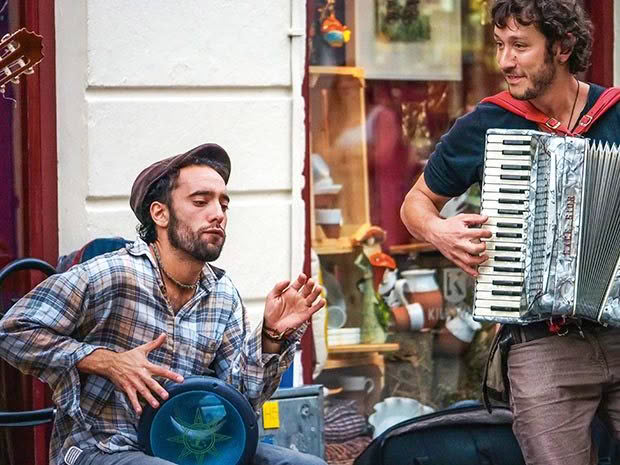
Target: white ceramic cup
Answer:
[[357, 383]]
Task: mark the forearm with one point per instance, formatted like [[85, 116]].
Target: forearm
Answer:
[[98, 362], [419, 214]]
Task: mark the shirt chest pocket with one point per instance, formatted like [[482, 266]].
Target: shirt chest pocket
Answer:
[[202, 354]]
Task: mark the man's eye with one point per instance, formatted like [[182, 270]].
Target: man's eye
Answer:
[[519, 46], [200, 203], [224, 207]]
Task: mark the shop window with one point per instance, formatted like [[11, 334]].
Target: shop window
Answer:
[[387, 79]]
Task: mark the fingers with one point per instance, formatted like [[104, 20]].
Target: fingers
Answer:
[[133, 398], [299, 282], [165, 373], [313, 294], [471, 219], [150, 346]]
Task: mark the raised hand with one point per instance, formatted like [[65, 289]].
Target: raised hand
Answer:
[[132, 372], [459, 241], [288, 307]]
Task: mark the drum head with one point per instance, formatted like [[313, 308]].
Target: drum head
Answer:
[[204, 422]]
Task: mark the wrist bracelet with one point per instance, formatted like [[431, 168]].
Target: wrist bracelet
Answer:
[[274, 335]]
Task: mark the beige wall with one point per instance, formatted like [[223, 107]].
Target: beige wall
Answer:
[[144, 79]]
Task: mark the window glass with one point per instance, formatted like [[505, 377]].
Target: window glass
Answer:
[[387, 79]]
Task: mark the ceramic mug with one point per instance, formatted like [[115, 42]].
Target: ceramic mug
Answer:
[[357, 383], [421, 316]]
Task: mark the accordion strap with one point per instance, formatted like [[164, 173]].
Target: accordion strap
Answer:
[[528, 111]]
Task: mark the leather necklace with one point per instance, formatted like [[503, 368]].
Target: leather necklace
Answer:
[[175, 281]]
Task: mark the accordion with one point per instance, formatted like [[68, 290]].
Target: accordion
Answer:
[[553, 204]]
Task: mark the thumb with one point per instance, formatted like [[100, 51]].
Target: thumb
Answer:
[[280, 287], [149, 346]]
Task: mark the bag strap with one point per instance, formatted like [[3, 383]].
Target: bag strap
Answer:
[[608, 99], [525, 109]]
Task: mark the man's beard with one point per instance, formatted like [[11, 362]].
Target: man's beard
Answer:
[[540, 81], [183, 238]]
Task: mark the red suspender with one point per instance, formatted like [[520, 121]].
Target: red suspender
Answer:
[[528, 111]]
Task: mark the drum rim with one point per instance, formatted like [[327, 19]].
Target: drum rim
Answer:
[[209, 384]]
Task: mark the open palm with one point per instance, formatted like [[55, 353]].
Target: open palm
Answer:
[[288, 307]]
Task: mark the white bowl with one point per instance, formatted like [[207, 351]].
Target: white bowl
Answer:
[[394, 410], [328, 215]]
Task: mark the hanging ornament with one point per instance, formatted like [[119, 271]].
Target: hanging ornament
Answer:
[[333, 31]]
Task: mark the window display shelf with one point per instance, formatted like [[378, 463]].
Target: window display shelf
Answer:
[[352, 71], [362, 348]]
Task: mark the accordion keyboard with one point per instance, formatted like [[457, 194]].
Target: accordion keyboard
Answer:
[[505, 200]]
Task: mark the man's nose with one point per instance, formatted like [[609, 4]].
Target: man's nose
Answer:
[[217, 213], [505, 59]]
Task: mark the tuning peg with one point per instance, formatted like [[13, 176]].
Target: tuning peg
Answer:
[[29, 70], [15, 80]]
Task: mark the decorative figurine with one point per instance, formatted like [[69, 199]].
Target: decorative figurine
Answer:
[[333, 31]]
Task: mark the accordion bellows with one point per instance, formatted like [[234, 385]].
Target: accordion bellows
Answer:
[[553, 204]]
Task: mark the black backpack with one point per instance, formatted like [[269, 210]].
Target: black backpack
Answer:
[[465, 436]]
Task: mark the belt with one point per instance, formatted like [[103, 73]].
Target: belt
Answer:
[[540, 329]]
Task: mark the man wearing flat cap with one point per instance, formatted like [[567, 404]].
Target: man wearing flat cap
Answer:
[[108, 333]]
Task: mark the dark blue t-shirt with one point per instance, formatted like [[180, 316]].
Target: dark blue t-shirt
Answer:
[[458, 159]]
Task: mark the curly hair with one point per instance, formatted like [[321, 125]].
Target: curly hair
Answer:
[[561, 21], [161, 192]]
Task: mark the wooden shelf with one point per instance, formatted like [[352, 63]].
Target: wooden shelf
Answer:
[[403, 249], [352, 71], [363, 348]]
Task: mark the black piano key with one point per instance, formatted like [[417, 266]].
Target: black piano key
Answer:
[[515, 167], [508, 235], [510, 225], [516, 152], [515, 142], [506, 293], [511, 190], [497, 308], [510, 212], [506, 248], [499, 282], [514, 177], [511, 201], [508, 259], [506, 269]]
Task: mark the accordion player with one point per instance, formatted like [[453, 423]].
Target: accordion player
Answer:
[[553, 204]]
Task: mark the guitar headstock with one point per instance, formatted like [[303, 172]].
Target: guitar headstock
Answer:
[[19, 53]]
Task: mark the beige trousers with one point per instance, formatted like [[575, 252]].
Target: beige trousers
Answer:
[[557, 385]]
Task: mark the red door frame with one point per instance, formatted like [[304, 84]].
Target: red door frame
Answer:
[[602, 69], [40, 193]]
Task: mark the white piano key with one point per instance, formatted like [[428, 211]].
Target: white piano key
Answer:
[[505, 220], [506, 164], [488, 303], [495, 179], [491, 171], [491, 195], [489, 287], [488, 270], [505, 187], [500, 138], [490, 279], [487, 313]]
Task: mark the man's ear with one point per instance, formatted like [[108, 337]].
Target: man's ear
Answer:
[[160, 214], [564, 48]]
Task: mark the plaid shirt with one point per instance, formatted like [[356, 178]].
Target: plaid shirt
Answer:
[[115, 301]]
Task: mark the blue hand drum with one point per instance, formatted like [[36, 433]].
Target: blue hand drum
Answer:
[[204, 421]]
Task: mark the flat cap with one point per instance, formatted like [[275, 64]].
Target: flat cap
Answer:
[[149, 176]]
